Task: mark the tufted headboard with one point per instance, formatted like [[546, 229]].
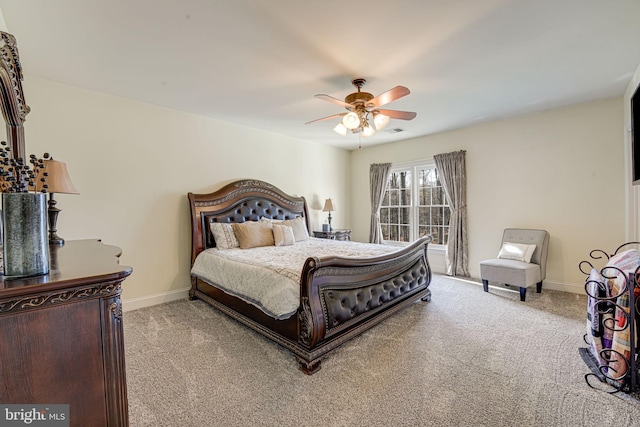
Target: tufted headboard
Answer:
[[239, 201]]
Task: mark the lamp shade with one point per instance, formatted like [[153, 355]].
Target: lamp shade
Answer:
[[368, 130], [328, 206], [341, 129], [380, 120], [351, 120], [58, 179]]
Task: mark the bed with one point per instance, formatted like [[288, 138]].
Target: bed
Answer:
[[338, 297]]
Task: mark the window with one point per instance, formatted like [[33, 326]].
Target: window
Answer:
[[414, 205]]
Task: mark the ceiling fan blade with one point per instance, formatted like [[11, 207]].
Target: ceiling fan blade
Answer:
[[402, 115], [326, 118], [390, 95], [334, 101]]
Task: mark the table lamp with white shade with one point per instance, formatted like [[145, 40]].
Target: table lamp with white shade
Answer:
[[58, 181], [329, 207]]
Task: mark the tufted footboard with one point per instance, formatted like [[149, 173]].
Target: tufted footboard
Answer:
[[342, 297]]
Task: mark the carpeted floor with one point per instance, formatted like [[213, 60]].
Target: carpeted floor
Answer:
[[467, 358]]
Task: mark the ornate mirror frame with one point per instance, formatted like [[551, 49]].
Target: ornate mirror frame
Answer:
[[14, 108]]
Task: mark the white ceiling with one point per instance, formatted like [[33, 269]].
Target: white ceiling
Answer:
[[259, 63]]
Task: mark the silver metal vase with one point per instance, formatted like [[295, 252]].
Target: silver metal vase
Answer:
[[25, 241]]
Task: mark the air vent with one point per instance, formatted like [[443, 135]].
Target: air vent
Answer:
[[394, 130]]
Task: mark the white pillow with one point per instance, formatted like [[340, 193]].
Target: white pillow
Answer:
[[283, 235], [517, 251], [224, 236], [269, 221], [298, 224]]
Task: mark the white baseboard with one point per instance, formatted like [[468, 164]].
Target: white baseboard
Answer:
[[148, 301], [554, 286], [564, 287], [547, 284]]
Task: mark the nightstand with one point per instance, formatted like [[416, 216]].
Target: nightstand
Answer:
[[333, 234]]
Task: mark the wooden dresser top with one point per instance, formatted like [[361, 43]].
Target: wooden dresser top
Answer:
[[78, 262]]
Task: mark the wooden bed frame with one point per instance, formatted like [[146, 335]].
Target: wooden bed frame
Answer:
[[340, 298]]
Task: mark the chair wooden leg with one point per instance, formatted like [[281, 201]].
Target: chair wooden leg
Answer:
[[539, 287], [485, 285], [523, 293]]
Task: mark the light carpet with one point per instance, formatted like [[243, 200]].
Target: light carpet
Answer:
[[467, 358]]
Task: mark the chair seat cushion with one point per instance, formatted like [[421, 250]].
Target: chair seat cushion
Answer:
[[510, 272]]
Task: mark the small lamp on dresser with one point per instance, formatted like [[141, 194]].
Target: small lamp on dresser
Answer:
[[58, 181], [328, 207]]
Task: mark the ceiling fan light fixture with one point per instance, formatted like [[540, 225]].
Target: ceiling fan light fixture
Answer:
[[380, 120], [341, 129], [351, 120], [364, 117], [367, 130]]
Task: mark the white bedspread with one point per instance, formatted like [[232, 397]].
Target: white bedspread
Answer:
[[269, 277]]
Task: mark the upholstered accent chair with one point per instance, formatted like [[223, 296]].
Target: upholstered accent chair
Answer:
[[518, 263]]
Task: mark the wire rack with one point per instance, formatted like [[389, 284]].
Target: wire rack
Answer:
[[611, 338]]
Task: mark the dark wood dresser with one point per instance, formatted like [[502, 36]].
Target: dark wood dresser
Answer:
[[61, 337]]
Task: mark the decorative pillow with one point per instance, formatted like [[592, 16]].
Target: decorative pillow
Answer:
[[299, 227], [517, 251], [224, 236], [252, 234], [269, 221], [283, 235]]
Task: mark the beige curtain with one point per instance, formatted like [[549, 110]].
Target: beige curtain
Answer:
[[378, 176], [451, 168]]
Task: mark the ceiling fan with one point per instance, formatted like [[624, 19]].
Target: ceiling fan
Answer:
[[363, 107]]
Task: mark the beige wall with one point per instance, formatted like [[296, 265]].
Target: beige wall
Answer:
[[134, 163], [562, 170]]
